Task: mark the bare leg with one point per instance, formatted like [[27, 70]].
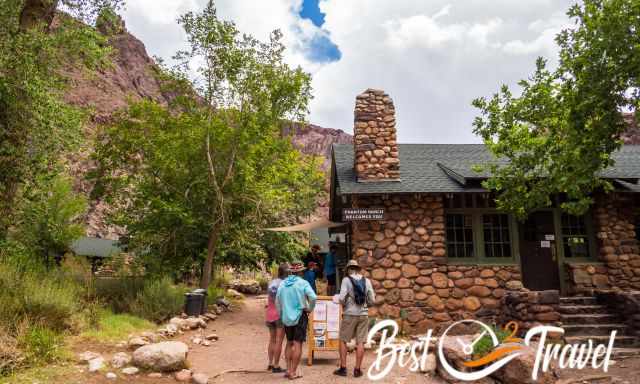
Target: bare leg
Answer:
[[272, 344], [343, 354], [277, 350], [359, 355], [296, 352], [287, 355]]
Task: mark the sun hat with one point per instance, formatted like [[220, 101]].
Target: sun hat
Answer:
[[353, 264], [296, 267]]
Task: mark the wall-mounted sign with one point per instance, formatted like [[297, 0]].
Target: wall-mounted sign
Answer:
[[357, 214], [550, 237], [545, 244]]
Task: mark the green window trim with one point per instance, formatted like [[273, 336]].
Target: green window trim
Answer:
[[502, 243], [581, 229]]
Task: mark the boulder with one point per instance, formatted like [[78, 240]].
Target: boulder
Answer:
[[111, 376], [518, 371], [455, 357], [120, 360], [96, 364], [166, 356], [199, 378], [195, 323], [235, 294]]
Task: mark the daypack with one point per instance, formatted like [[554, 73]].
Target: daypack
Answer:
[[359, 290]]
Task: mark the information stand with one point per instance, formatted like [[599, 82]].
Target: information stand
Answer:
[[324, 327]]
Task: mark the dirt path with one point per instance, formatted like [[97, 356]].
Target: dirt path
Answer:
[[243, 345]]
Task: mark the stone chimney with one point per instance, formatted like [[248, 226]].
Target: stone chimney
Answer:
[[375, 147]]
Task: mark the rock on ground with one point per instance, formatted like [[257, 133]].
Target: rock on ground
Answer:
[[166, 356], [130, 371], [85, 357], [120, 360], [96, 364], [183, 375], [518, 371], [200, 378], [111, 376]]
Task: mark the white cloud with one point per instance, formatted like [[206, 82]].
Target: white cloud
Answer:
[[433, 57]]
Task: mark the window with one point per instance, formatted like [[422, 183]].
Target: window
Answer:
[[497, 238], [575, 239], [478, 235], [459, 235]]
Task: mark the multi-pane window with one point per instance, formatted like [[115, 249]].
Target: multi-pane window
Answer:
[[497, 239], [575, 239], [459, 235]]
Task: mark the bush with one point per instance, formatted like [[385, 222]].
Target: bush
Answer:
[[47, 298], [11, 356], [42, 345], [159, 300], [120, 293]]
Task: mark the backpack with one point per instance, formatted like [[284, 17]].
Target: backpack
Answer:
[[359, 290]]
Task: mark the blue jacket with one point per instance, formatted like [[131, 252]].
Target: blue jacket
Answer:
[[330, 264], [310, 277], [294, 295]]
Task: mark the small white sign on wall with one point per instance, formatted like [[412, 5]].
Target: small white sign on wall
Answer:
[[545, 244], [550, 237]]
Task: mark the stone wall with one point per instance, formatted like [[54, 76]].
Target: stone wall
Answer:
[[625, 304], [618, 260], [404, 255], [375, 147], [530, 309]]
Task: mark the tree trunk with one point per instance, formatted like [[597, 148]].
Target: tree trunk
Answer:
[[211, 253], [37, 13]]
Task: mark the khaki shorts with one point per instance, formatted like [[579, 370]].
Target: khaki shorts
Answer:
[[354, 327]]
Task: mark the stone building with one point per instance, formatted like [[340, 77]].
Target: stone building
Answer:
[[441, 251]]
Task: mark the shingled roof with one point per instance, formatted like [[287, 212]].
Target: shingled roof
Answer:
[[448, 168]]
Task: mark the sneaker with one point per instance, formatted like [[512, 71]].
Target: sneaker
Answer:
[[357, 372], [342, 371], [277, 370]]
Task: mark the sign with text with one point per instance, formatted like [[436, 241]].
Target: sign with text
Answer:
[[361, 214]]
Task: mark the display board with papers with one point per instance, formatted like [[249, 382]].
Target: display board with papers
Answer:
[[324, 326]]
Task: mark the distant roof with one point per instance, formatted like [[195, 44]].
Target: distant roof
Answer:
[[95, 247], [449, 168]]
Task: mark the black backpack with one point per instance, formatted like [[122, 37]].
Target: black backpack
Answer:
[[359, 290]]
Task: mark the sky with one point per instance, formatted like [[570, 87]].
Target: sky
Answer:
[[432, 57]]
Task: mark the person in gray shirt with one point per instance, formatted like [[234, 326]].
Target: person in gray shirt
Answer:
[[356, 295]]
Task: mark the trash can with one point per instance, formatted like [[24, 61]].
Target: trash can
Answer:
[[202, 292], [193, 304]]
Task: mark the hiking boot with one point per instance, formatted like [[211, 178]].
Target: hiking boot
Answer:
[[342, 371], [357, 372], [277, 370]]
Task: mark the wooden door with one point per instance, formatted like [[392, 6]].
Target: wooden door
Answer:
[[538, 252]]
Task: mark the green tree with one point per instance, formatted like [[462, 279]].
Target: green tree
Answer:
[[50, 218], [36, 126], [198, 180], [558, 136]]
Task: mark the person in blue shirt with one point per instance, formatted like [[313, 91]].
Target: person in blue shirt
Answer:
[[311, 274], [330, 270], [294, 300]]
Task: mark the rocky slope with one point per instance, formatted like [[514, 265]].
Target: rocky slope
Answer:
[[133, 77]]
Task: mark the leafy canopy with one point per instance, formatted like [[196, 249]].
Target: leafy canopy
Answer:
[[559, 134], [200, 178], [36, 126]]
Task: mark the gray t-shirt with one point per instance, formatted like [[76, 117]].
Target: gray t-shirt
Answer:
[[347, 297]]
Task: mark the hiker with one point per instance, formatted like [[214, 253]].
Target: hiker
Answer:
[[356, 295], [295, 299], [311, 274], [330, 270], [276, 328]]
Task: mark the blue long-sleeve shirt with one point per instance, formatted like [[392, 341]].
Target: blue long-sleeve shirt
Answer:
[[294, 296]]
